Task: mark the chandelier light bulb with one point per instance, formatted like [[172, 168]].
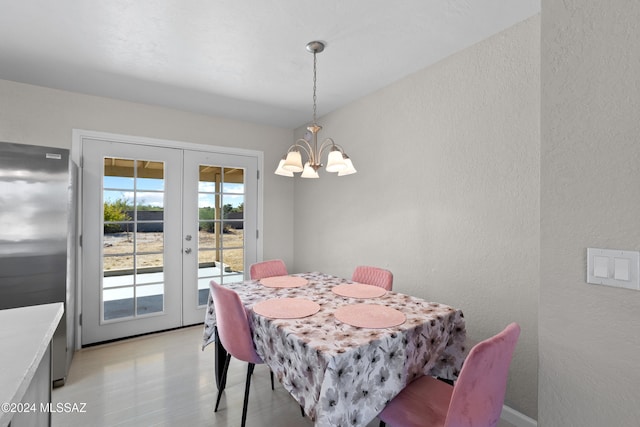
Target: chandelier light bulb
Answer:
[[309, 172], [281, 171], [293, 162], [335, 162]]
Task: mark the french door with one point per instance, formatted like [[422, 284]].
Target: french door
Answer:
[[159, 223], [219, 224]]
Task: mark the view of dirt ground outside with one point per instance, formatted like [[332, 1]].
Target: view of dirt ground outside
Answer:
[[119, 249]]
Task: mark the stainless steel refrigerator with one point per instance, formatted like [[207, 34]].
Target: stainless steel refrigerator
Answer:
[[38, 238]]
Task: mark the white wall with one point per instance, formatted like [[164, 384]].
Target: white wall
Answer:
[[590, 197], [42, 116], [447, 192]]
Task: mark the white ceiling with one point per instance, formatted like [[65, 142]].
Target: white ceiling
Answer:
[[242, 59]]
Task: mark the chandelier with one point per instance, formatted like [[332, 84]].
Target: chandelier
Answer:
[[337, 159]]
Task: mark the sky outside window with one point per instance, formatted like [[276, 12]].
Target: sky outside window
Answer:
[[122, 188]]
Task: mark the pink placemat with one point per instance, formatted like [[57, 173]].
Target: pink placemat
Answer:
[[284, 281], [370, 316], [358, 290], [286, 308]]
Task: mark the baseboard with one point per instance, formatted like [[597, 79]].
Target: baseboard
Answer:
[[516, 418]]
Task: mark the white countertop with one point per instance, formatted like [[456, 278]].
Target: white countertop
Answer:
[[25, 333]]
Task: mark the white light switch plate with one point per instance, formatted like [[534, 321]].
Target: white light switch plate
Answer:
[[613, 267]]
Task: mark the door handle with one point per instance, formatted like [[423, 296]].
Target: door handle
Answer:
[[187, 251]]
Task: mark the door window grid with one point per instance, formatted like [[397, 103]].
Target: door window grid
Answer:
[[221, 196], [133, 200]]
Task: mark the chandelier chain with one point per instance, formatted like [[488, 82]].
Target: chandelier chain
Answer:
[[314, 88]]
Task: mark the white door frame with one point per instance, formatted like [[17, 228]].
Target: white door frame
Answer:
[[78, 135]]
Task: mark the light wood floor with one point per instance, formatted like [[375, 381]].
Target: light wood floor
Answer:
[[166, 379]]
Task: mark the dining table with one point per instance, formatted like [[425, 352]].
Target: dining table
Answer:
[[342, 349]]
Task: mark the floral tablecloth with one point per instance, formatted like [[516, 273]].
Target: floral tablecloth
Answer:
[[343, 375]]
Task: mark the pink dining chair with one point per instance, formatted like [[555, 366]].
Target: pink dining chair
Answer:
[[475, 400], [235, 335], [373, 276], [274, 267]]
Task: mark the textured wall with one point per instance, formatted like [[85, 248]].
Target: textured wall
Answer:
[[40, 116], [589, 335], [447, 192]]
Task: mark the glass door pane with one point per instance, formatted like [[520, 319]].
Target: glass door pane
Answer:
[[220, 223], [133, 236], [220, 227]]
